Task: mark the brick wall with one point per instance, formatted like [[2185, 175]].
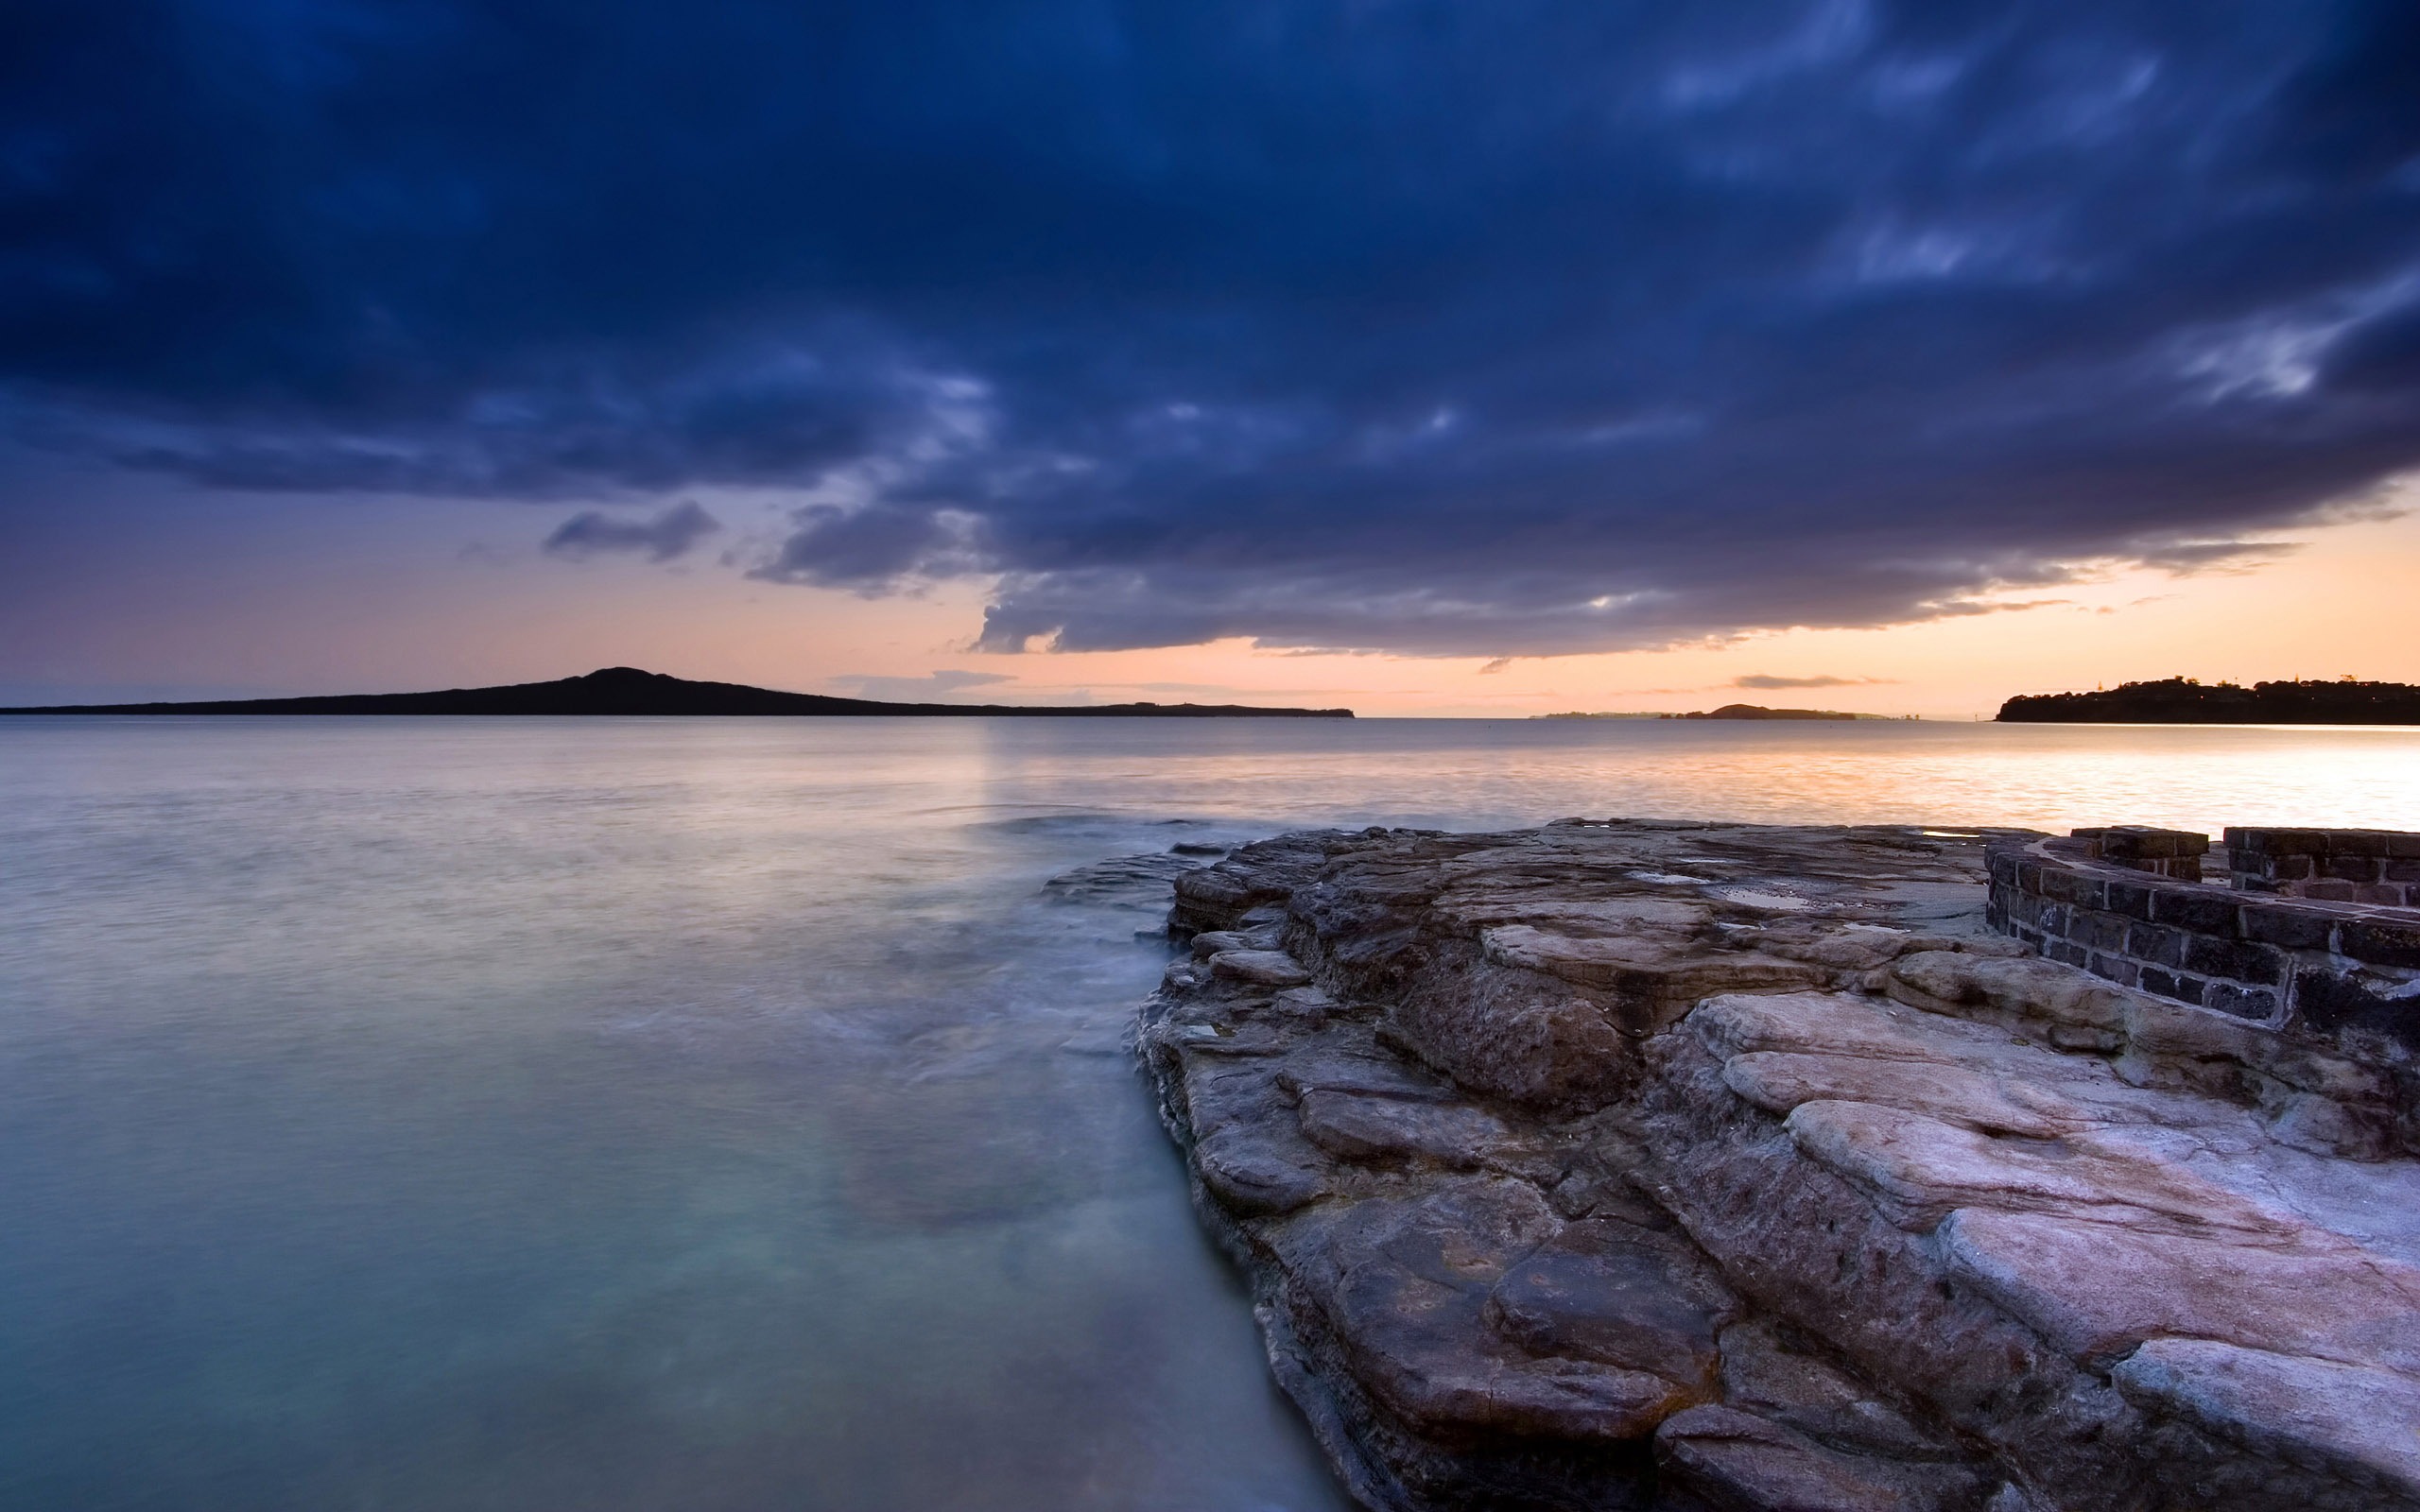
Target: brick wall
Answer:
[[2333, 866], [2324, 966]]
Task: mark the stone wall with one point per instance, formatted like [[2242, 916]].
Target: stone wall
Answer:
[[2333, 866], [2254, 951]]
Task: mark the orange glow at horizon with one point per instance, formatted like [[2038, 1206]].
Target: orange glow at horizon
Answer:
[[385, 610]]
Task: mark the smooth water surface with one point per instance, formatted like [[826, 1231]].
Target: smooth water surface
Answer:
[[609, 1114]]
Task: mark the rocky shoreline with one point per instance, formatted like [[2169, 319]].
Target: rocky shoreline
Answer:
[[1641, 1165]]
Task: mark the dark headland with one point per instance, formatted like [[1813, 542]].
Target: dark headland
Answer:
[[2186, 702], [629, 691], [1757, 711]]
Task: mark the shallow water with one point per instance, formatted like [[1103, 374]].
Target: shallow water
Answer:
[[723, 1115]]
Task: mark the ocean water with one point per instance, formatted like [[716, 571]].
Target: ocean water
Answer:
[[403, 1114]]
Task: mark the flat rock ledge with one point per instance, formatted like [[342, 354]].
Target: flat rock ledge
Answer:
[[1637, 1164]]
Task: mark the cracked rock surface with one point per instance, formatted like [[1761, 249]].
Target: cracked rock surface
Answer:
[[1643, 1164]]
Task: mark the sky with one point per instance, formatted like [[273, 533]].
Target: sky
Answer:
[[1414, 358]]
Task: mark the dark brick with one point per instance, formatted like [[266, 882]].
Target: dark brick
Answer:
[[2090, 892], [2099, 932], [2356, 842], [2053, 920], [2403, 843], [2226, 957], [2291, 868], [2353, 868], [2189, 990], [2058, 885], [2028, 873], [2059, 950], [2128, 899], [2330, 1002], [2270, 842], [2242, 1002], [2003, 867], [2329, 892], [2117, 969], [2291, 928], [2154, 946], [2135, 842], [2381, 942], [2161, 983], [2400, 871], [2205, 911]]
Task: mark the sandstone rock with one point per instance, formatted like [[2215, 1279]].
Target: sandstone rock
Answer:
[[1618, 1295], [1741, 1167], [2361, 1421], [1266, 967], [1354, 1125], [1737, 1460]]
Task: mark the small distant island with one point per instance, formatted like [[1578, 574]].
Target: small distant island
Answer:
[[630, 691], [2188, 701], [1731, 711], [1753, 711]]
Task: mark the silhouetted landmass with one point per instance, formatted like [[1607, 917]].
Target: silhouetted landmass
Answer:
[[629, 691], [1753, 711], [2185, 701]]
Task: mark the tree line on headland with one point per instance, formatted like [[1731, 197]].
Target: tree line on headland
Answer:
[[2188, 701]]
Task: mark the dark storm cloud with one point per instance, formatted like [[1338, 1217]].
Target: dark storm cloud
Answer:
[[1514, 329], [661, 537]]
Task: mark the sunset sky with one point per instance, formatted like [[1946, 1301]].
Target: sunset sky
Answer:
[[1424, 359]]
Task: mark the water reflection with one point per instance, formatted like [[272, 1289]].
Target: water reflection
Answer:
[[724, 1114]]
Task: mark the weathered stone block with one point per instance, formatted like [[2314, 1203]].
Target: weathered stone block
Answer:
[[2329, 1002], [2206, 911], [2155, 946], [2099, 932], [2171, 985], [2381, 942], [2290, 928], [2117, 969], [2128, 899], [2353, 868], [2257, 964], [2242, 1002]]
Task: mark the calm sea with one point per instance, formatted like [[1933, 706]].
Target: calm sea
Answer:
[[609, 1114]]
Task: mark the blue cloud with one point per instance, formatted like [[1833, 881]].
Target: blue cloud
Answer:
[[661, 537], [1517, 330]]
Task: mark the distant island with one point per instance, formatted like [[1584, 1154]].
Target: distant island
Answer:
[[1729, 710], [1752, 711], [1605, 713], [629, 691], [2188, 701]]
